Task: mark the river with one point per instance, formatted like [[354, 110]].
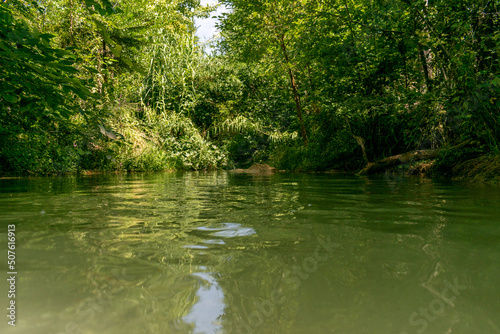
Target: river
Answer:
[[214, 252]]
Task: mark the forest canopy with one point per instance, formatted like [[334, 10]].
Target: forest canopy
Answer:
[[96, 85]]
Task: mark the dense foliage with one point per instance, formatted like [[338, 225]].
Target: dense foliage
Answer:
[[385, 76], [303, 85]]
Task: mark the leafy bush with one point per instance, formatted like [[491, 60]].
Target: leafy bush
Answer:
[[159, 140]]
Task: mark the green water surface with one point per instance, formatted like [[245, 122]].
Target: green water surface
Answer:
[[233, 253]]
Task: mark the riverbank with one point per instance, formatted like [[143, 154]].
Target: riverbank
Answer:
[[482, 169]]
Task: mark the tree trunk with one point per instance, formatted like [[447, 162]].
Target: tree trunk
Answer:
[[360, 141], [101, 67], [405, 158], [400, 159], [425, 67], [295, 91]]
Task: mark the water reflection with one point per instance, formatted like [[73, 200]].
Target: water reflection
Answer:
[[228, 230], [208, 311], [214, 252]]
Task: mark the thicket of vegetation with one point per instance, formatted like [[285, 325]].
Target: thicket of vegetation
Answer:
[[302, 85]]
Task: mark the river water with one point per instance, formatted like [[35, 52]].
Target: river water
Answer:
[[234, 253]]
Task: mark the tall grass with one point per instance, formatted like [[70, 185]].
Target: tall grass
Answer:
[[159, 140]]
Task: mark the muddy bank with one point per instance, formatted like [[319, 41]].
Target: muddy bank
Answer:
[[255, 169]]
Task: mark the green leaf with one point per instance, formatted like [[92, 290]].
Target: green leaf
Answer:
[[496, 82], [47, 37], [10, 98], [116, 50]]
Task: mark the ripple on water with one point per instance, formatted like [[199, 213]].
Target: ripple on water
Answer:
[[215, 234]]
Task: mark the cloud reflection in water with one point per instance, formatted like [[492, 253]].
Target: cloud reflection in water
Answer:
[[209, 308]]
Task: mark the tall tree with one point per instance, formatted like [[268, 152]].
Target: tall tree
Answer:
[[268, 31]]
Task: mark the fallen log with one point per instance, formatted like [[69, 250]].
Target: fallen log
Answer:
[[399, 159], [406, 158]]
